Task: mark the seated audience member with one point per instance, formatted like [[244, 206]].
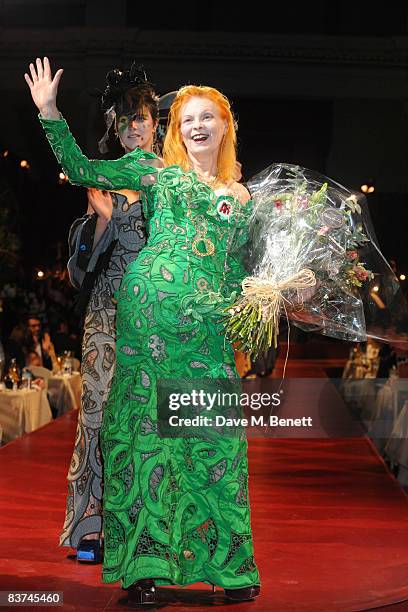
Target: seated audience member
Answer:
[[33, 359], [39, 342], [62, 340]]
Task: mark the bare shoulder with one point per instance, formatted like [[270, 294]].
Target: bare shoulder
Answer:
[[240, 192]]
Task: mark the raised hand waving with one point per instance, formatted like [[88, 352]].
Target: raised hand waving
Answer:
[[44, 87]]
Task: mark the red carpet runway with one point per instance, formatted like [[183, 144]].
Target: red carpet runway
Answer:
[[330, 527]]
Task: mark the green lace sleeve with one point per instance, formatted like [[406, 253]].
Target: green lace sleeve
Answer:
[[132, 171]]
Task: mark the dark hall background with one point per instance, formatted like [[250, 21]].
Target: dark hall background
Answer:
[[320, 84]]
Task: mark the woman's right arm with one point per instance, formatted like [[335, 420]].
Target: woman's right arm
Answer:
[[124, 173]]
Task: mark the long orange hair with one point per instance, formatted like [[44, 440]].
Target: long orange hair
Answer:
[[174, 150]]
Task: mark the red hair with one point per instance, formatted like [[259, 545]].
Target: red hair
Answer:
[[174, 150]]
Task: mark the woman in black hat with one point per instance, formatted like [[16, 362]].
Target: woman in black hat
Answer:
[[102, 244]]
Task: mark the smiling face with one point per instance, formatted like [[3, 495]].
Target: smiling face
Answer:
[[136, 130], [202, 127], [209, 147]]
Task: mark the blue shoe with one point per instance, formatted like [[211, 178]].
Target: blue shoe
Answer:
[[89, 551]]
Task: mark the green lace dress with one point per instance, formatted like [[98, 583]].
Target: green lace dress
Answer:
[[175, 509]]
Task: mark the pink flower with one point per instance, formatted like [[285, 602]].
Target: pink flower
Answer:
[[278, 204], [360, 273], [352, 254], [303, 202]]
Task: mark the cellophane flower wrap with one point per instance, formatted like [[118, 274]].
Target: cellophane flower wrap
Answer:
[[311, 257]]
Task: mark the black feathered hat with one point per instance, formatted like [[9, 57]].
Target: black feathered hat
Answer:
[[118, 83]]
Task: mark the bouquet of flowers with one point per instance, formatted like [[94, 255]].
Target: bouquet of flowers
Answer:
[[309, 241]]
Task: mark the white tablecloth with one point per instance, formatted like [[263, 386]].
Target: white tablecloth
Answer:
[[359, 395], [396, 448], [385, 410], [23, 411], [65, 392]]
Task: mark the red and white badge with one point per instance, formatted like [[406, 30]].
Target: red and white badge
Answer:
[[224, 209]]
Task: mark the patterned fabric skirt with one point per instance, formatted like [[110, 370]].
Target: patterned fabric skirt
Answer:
[[175, 509], [84, 501]]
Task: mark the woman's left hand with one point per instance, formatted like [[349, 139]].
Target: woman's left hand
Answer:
[[101, 203]]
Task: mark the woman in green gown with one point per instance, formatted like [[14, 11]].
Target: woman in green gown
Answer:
[[176, 510]]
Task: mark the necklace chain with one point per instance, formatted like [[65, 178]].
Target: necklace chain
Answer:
[[209, 180], [201, 228]]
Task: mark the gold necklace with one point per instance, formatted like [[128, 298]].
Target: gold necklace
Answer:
[[208, 180], [201, 245], [211, 181], [200, 226]]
